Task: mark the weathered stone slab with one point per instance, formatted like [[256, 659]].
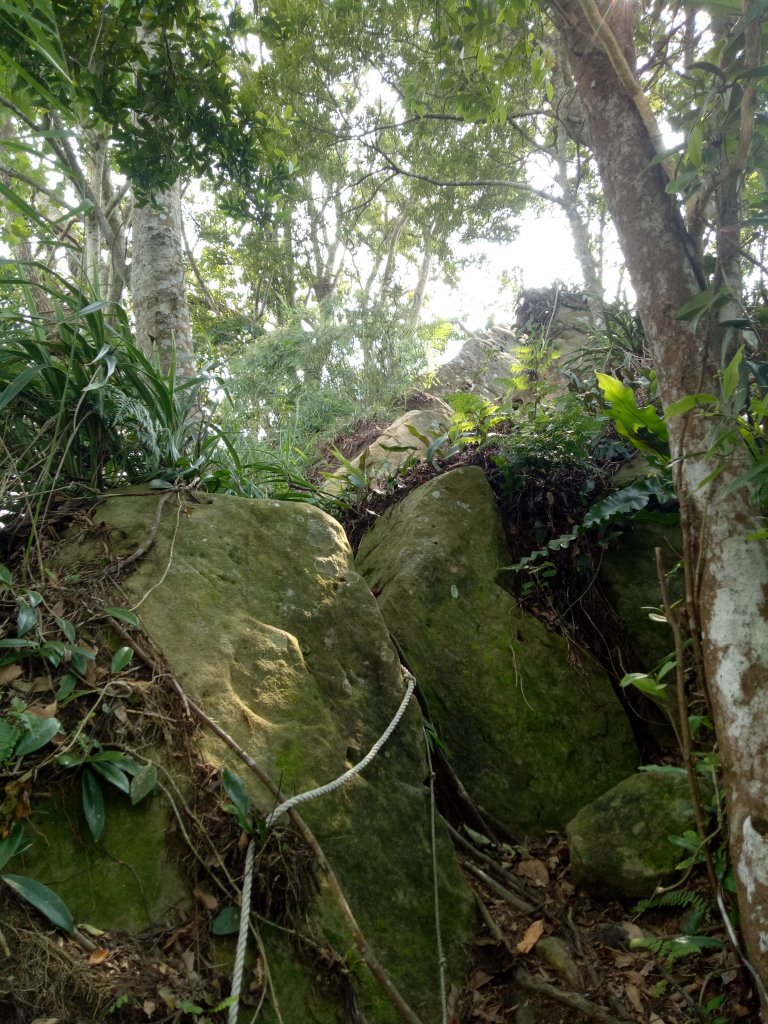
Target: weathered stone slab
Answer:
[[532, 726]]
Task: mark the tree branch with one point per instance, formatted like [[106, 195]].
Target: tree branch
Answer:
[[519, 186]]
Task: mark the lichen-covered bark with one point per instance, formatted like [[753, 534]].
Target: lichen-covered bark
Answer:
[[731, 571], [157, 282]]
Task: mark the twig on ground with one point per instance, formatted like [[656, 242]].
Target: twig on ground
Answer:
[[571, 999], [501, 891]]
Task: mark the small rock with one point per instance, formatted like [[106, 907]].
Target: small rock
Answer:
[[619, 843], [555, 953]]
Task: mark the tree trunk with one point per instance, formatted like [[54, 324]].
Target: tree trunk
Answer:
[[729, 573], [157, 282], [421, 284], [562, 101]]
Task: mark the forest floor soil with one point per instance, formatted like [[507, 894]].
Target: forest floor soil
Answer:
[[572, 959]]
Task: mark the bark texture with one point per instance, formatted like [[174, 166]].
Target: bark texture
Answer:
[[729, 572], [157, 282]]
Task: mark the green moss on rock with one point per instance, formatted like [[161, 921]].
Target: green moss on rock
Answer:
[[532, 727], [128, 881], [620, 845], [258, 609]]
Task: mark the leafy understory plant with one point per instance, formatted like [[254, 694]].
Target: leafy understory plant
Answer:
[[647, 432], [617, 506], [689, 942]]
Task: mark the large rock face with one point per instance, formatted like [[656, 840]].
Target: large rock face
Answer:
[[533, 729], [258, 609]]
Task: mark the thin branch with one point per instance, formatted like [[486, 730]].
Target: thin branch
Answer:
[[5, 102], [571, 999], [519, 186], [624, 73], [12, 173], [684, 732], [209, 299]]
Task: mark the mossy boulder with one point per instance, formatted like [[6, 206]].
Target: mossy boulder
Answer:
[[532, 726], [619, 844], [128, 881], [258, 610]]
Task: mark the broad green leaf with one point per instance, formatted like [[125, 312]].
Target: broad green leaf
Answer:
[[12, 844], [93, 804], [234, 787], [9, 735], [144, 783], [26, 619], [43, 899], [226, 922], [69, 760], [683, 405], [758, 72], [67, 628], [40, 732], [112, 774], [66, 687], [704, 302], [695, 144], [122, 657], [124, 614], [645, 684], [732, 374], [5, 575]]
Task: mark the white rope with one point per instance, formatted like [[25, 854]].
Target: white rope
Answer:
[[329, 787], [441, 961], [242, 935], [300, 798]]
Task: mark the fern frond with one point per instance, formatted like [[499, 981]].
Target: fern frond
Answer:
[[677, 947], [675, 898]]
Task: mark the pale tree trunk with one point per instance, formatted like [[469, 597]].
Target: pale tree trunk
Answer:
[[562, 101], [423, 279], [95, 159], [728, 572], [158, 289]]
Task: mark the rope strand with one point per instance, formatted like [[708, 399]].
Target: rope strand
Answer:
[[300, 798]]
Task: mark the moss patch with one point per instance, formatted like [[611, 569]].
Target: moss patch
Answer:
[[258, 609], [128, 881], [532, 726], [620, 843]]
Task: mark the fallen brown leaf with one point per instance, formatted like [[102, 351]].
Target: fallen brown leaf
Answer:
[[633, 995], [532, 935], [533, 869], [43, 710], [98, 956], [37, 685], [478, 978], [8, 673], [208, 901], [149, 1006]]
